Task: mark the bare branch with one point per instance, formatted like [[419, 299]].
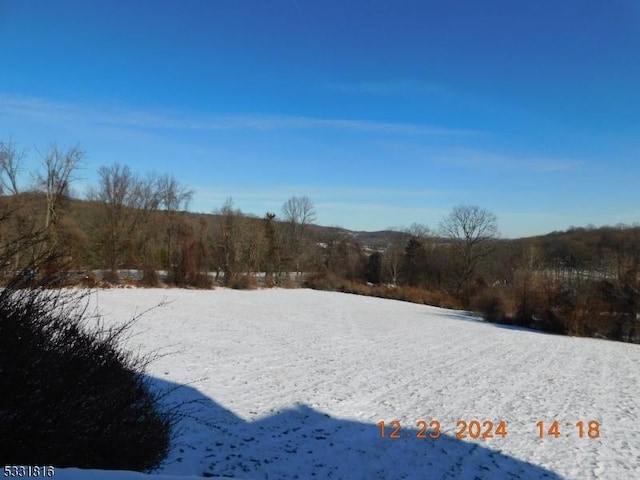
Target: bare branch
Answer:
[[10, 165], [59, 168], [173, 196], [298, 212], [469, 227]]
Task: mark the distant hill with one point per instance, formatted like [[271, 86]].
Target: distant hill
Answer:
[[581, 245]]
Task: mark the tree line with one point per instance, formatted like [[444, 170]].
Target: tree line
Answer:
[[133, 221], [582, 282]]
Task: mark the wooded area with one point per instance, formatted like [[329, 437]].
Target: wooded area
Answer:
[[584, 281]]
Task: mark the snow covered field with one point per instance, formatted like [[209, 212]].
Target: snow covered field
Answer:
[[293, 384]]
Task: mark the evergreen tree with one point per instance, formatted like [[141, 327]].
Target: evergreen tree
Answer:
[[373, 268], [415, 260]]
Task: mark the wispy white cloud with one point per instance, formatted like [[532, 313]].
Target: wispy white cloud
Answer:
[[36, 108], [52, 111], [505, 162]]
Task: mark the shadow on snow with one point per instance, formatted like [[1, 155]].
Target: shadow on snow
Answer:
[[302, 443], [467, 316]]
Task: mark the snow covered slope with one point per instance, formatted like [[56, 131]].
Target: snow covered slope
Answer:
[[285, 384]]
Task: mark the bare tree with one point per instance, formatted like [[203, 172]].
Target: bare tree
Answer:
[[298, 212], [15, 230], [146, 195], [59, 169], [35, 241], [116, 191], [471, 229], [10, 166], [54, 179], [392, 262], [418, 231], [173, 196], [229, 242], [145, 202], [173, 199], [22, 239]]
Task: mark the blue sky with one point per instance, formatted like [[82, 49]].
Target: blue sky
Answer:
[[384, 113]]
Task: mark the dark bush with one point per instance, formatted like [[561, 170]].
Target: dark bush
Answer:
[[111, 276], [323, 280], [490, 303], [552, 321], [90, 280], [70, 396], [150, 278], [244, 282], [269, 281], [200, 280]]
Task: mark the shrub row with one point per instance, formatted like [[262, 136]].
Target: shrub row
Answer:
[[590, 310], [329, 281]]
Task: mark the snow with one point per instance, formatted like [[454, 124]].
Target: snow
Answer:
[[285, 384]]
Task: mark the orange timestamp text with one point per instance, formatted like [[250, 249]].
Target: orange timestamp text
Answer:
[[432, 429], [590, 429], [486, 429]]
